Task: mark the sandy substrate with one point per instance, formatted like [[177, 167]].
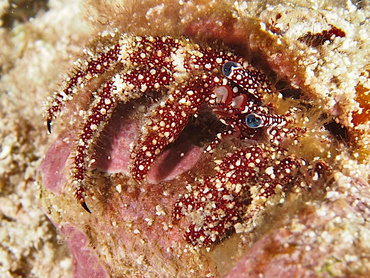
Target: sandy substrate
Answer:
[[33, 55]]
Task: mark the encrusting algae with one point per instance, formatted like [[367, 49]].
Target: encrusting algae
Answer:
[[212, 140]]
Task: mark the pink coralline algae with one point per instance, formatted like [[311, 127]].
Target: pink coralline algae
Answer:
[[246, 161], [86, 262]]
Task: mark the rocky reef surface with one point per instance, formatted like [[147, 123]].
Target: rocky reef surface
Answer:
[[249, 208]]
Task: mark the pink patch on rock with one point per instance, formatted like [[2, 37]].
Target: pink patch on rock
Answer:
[[52, 167], [113, 155], [269, 257], [177, 159], [85, 263], [222, 28]]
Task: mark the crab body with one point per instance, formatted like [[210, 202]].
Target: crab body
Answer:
[[188, 75]]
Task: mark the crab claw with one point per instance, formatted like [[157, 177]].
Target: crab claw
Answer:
[[166, 123], [48, 125], [83, 204]]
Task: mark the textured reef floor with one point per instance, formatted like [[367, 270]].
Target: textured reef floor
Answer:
[[249, 208]]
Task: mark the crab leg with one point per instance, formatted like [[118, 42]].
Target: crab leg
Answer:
[[245, 176], [248, 78], [101, 110], [91, 69], [130, 51], [166, 122], [127, 87]]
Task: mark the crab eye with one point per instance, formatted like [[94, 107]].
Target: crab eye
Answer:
[[228, 67], [253, 121]]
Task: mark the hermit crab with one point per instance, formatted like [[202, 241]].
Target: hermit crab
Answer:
[[187, 77]]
